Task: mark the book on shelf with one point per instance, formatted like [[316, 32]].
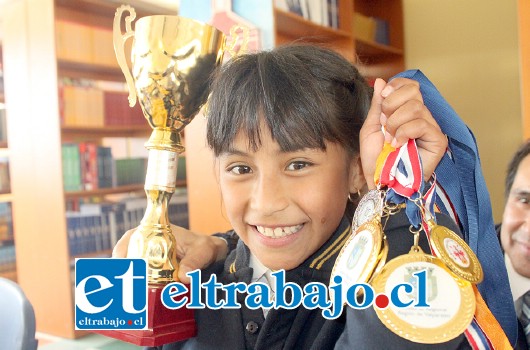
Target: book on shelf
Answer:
[[372, 29], [7, 258], [82, 43], [333, 14], [7, 242], [382, 32], [130, 171], [3, 126], [117, 112], [321, 12], [89, 166], [95, 103], [96, 227], [5, 182], [71, 164], [6, 224], [106, 169]]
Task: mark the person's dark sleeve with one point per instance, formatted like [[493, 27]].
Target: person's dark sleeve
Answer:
[[230, 237]]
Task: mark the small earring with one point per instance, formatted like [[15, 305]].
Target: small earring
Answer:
[[352, 199]]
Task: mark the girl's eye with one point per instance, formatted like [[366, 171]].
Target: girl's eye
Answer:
[[298, 165], [239, 169], [524, 200]]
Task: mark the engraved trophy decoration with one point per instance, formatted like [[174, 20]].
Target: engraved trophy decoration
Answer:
[[172, 58]]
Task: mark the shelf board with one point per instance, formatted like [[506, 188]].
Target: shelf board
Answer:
[[108, 7], [112, 190], [107, 131], [292, 25], [73, 69], [107, 253], [104, 191], [6, 197], [365, 48]]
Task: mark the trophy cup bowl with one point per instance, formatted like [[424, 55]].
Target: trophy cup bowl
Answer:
[[172, 59]]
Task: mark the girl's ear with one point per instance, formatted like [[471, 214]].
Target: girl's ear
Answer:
[[357, 181]]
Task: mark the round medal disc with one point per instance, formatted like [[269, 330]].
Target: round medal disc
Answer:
[[456, 254], [369, 207], [358, 257], [450, 299]]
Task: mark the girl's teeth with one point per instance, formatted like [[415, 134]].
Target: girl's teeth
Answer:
[[278, 232]]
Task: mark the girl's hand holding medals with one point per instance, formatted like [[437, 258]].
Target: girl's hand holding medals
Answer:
[[405, 131]]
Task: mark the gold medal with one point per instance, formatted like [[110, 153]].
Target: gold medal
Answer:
[[450, 299], [383, 254], [359, 256], [369, 208], [455, 253]]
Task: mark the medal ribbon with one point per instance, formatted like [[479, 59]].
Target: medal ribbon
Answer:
[[400, 170], [485, 332]]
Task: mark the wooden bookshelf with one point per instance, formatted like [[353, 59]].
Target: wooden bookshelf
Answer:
[[30, 54], [376, 60], [7, 267], [35, 69], [291, 27]]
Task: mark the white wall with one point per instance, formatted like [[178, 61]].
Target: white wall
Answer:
[[469, 49]]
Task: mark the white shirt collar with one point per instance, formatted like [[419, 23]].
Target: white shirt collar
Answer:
[[518, 284], [259, 270], [261, 273]]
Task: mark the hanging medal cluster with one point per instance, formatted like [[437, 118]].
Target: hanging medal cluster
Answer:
[[451, 268]]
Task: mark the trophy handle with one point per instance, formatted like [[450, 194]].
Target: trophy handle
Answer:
[[119, 40], [238, 33]]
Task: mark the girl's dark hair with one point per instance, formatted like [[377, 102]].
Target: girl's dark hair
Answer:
[[305, 94], [513, 167]]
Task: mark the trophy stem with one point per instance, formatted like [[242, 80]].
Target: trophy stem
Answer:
[[153, 239]]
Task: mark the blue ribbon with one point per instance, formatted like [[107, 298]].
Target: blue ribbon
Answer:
[[461, 177]]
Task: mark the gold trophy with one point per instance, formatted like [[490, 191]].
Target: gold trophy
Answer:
[[172, 58]]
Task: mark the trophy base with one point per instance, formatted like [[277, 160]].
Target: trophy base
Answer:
[[163, 325]]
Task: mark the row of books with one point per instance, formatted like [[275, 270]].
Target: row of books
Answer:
[[321, 12], [371, 29], [85, 44], [90, 103], [96, 227], [89, 166]]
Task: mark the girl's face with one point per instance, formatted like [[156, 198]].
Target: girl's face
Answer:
[[285, 205]]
